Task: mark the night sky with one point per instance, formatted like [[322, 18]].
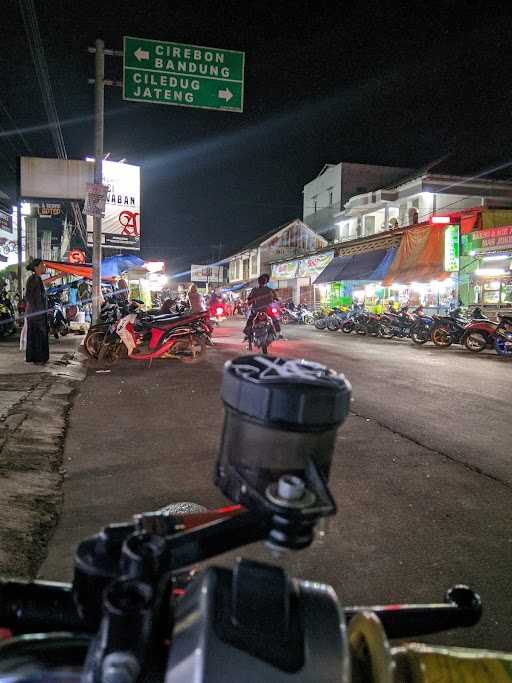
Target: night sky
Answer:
[[356, 81]]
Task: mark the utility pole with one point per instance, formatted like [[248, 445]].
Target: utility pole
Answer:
[[20, 251], [99, 91]]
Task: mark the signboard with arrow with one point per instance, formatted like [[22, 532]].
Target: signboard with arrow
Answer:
[[183, 75]]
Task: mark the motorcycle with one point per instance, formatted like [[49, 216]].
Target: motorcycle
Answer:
[[57, 319], [300, 315], [451, 329], [110, 312], [421, 328], [131, 614], [503, 336], [262, 332], [7, 318], [394, 324], [479, 333], [183, 338]]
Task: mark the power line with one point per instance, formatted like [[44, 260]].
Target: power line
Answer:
[[13, 123], [29, 16]]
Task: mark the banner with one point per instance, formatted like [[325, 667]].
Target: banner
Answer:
[[121, 225], [312, 266], [285, 271], [206, 274], [493, 239]]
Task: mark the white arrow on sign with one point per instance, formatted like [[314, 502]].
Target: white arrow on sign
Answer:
[[141, 54], [225, 94]]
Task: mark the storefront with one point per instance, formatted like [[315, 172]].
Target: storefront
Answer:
[[357, 277], [294, 279], [490, 276]]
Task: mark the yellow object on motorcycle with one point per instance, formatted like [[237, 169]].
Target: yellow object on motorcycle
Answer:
[[375, 661]]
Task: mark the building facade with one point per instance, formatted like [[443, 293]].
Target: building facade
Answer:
[[415, 200], [287, 241], [325, 196]]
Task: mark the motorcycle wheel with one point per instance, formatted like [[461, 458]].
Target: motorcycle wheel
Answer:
[[321, 324], [107, 354], [386, 332], [475, 342], [347, 327], [308, 320], [420, 335], [93, 342], [333, 324], [441, 337], [197, 349]]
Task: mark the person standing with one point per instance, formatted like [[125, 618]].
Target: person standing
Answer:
[[38, 350], [195, 300]]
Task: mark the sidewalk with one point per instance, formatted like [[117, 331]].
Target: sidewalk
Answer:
[[34, 403]]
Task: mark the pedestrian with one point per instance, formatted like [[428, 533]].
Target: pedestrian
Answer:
[[37, 350], [194, 299]]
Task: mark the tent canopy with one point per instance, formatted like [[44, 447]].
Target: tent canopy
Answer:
[[370, 265], [420, 256]]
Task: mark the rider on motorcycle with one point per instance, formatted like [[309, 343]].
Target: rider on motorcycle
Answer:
[[260, 299]]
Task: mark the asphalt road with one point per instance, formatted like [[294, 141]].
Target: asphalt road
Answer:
[[422, 473]]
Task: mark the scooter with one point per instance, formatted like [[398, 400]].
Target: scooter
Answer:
[[394, 324], [262, 332], [480, 333], [59, 324], [421, 329], [503, 338], [7, 318], [179, 337]]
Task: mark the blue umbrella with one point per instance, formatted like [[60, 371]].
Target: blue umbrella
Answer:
[[113, 266]]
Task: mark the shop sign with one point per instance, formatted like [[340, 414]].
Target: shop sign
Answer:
[[494, 238], [314, 265], [5, 222], [285, 271], [76, 256], [206, 273], [451, 248], [48, 210]]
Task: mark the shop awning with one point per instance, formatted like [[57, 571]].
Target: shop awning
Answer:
[[332, 272], [420, 256], [370, 265]]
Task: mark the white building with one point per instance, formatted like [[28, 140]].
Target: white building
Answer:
[[414, 200], [287, 241], [325, 196]]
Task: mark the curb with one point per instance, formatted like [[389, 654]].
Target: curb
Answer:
[[31, 451]]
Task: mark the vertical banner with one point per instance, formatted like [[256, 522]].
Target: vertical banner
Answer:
[[451, 248], [120, 227]]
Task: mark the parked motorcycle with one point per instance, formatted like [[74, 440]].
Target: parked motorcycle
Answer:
[[110, 313], [262, 332], [393, 324], [449, 329], [183, 338], [503, 336], [58, 322], [297, 314], [421, 328], [479, 333], [7, 318]]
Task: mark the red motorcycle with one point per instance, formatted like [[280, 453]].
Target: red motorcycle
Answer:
[[147, 337], [480, 333]]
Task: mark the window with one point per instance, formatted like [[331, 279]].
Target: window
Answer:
[[330, 193], [315, 204], [413, 216], [237, 269], [369, 225], [359, 227], [245, 267], [254, 264]]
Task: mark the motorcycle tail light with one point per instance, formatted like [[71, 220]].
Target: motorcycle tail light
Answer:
[[219, 310]]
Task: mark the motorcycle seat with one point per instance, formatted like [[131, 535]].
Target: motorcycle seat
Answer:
[[165, 321]]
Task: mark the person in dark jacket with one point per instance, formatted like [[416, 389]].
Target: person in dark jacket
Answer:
[[38, 350]]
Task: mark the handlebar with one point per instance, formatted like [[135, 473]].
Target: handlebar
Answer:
[[140, 610]]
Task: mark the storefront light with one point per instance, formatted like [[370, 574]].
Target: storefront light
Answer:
[[495, 284], [497, 257], [488, 272], [440, 220], [369, 290]]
